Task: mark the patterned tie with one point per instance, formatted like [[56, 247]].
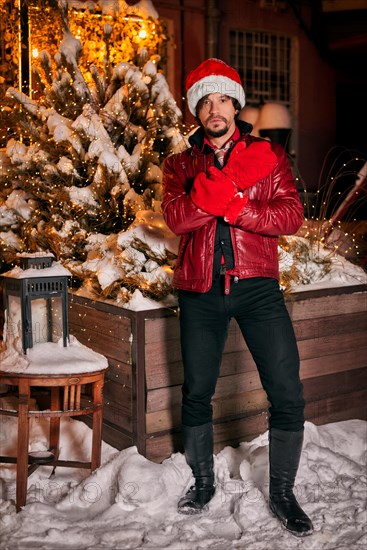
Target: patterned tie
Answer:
[[221, 155], [222, 152]]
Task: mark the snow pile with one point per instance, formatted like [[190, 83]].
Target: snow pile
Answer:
[[130, 502], [50, 358], [56, 270], [313, 266], [136, 261]]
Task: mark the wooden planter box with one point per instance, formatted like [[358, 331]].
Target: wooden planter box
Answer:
[[142, 396]]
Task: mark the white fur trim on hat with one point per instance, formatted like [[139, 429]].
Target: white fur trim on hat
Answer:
[[214, 84]]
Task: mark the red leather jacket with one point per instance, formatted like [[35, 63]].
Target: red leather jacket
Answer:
[[273, 209]]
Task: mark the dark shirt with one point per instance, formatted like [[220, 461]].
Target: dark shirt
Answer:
[[223, 250]]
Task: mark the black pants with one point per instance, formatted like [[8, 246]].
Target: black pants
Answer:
[[258, 306]]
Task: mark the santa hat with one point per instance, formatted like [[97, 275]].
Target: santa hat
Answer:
[[211, 77]]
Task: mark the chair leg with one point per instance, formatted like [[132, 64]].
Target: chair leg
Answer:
[[55, 423], [97, 425], [23, 443]]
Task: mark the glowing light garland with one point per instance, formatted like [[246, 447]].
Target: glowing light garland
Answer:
[[127, 34]]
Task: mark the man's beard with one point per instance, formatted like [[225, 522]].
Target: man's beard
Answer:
[[217, 133]]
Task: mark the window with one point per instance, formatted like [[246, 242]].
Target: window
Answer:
[[264, 63]]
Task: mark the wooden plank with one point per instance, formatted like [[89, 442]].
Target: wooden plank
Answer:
[[161, 421], [309, 329], [161, 447], [228, 433], [103, 332], [167, 397], [331, 6], [328, 306], [163, 398], [328, 345], [162, 352], [166, 329], [315, 337], [337, 408], [116, 438], [107, 324], [117, 395], [119, 372], [166, 374], [109, 306], [244, 403], [233, 432], [118, 416], [171, 374], [240, 404], [333, 409], [343, 382], [255, 401], [331, 291], [113, 391], [162, 330], [349, 360], [332, 325]]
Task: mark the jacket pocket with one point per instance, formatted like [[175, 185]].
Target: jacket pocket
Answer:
[[271, 247]]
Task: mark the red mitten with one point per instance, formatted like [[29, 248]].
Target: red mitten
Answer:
[[247, 165], [212, 194], [234, 208]]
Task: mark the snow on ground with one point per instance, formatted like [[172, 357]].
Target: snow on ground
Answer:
[[130, 502]]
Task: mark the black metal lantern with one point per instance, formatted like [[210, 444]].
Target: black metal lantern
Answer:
[[36, 300]]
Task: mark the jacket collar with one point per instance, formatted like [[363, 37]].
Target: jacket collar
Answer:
[[197, 138]]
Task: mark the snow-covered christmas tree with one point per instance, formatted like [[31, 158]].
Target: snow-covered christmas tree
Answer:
[[81, 176], [87, 161]]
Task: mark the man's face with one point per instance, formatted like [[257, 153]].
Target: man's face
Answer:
[[216, 113]]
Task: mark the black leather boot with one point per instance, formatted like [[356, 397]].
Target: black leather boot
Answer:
[[198, 445], [284, 456]]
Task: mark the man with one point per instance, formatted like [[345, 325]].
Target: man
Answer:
[[230, 196]]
